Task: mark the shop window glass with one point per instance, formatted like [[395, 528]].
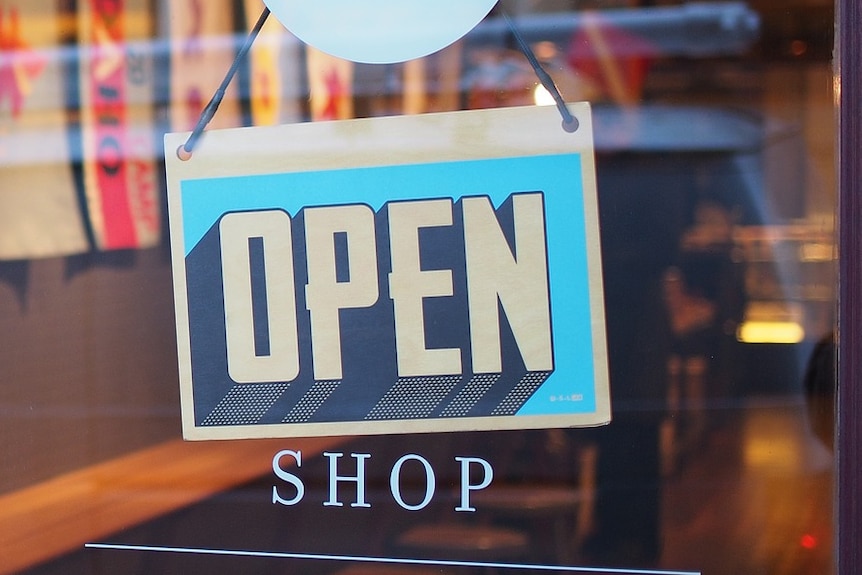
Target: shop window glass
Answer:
[[715, 148]]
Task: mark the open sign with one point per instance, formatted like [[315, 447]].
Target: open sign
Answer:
[[494, 278], [383, 277]]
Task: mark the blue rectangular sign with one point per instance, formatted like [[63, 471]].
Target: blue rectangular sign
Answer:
[[441, 275]]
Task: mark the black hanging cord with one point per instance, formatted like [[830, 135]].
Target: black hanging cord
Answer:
[[185, 151], [570, 123]]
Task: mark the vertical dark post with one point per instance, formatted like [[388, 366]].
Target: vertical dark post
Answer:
[[849, 428]]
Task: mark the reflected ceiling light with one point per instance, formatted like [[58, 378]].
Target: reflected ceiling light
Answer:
[[379, 31], [770, 332], [542, 97]]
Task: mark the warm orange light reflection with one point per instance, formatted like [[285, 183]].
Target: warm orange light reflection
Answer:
[[772, 452]]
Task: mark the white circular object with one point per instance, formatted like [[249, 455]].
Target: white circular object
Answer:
[[379, 31]]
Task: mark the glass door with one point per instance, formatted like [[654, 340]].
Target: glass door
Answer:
[[717, 128]]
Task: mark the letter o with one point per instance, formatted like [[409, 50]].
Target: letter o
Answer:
[[395, 482]]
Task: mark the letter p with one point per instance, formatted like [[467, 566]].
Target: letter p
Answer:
[[466, 486]]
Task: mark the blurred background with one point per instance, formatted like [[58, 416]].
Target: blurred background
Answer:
[[715, 148]]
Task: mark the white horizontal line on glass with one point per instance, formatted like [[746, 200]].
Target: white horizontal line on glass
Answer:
[[362, 559]]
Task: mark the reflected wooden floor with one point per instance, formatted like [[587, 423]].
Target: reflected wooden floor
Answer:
[[60, 515], [755, 498]]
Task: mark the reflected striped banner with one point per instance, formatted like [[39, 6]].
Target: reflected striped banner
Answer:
[[117, 116]]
